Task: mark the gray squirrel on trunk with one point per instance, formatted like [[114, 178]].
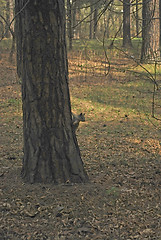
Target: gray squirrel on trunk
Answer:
[[76, 119]]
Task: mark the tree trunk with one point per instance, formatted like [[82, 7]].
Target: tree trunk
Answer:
[[1, 29], [51, 152], [13, 47], [150, 32], [160, 23], [74, 6], [69, 23], [95, 22], [7, 32], [91, 21], [137, 19], [107, 24], [126, 24], [79, 27]]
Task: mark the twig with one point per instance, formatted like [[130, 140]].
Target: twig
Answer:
[[139, 64], [8, 25]]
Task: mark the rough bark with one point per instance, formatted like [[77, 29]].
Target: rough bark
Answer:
[[150, 31], [51, 152], [126, 24], [160, 23]]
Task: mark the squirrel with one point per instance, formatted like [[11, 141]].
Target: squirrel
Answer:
[[76, 119]]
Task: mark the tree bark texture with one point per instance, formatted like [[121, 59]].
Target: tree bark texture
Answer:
[[160, 23], [51, 152], [150, 31], [126, 24]]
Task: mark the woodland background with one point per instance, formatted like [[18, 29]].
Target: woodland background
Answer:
[[120, 141]]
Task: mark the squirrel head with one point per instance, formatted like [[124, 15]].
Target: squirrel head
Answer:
[[82, 117]]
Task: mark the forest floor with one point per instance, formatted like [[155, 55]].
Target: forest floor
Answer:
[[121, 151]]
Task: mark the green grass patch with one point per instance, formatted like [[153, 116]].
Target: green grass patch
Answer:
[[127, 97], [14, 101], [6, 43]]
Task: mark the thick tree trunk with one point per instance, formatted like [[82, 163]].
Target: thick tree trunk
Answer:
[[150, 32], [160, 23], [126, 24], [51, 152]]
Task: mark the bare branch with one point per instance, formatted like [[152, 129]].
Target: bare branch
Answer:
[[9, 25]]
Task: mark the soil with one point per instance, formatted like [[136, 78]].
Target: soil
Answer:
[[121, 201]]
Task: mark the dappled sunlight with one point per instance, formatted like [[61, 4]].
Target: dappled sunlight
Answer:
[[119, 144], [150, 145]]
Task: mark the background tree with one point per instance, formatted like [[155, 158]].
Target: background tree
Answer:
[[150, 30], [2, 23], [126, 24], [69, 23], [51, 152], [95, 21], [91, 22], [137, 18], [6, 25], [74, 8], [7, 32]]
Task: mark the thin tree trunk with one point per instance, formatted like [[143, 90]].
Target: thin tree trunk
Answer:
[[95, 22], [126, 24], [74, 18], [79, 27], [51, 152], [91, 22], [1, 29], [7, 32], [137, 19], [69, 23], [13, 47]]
